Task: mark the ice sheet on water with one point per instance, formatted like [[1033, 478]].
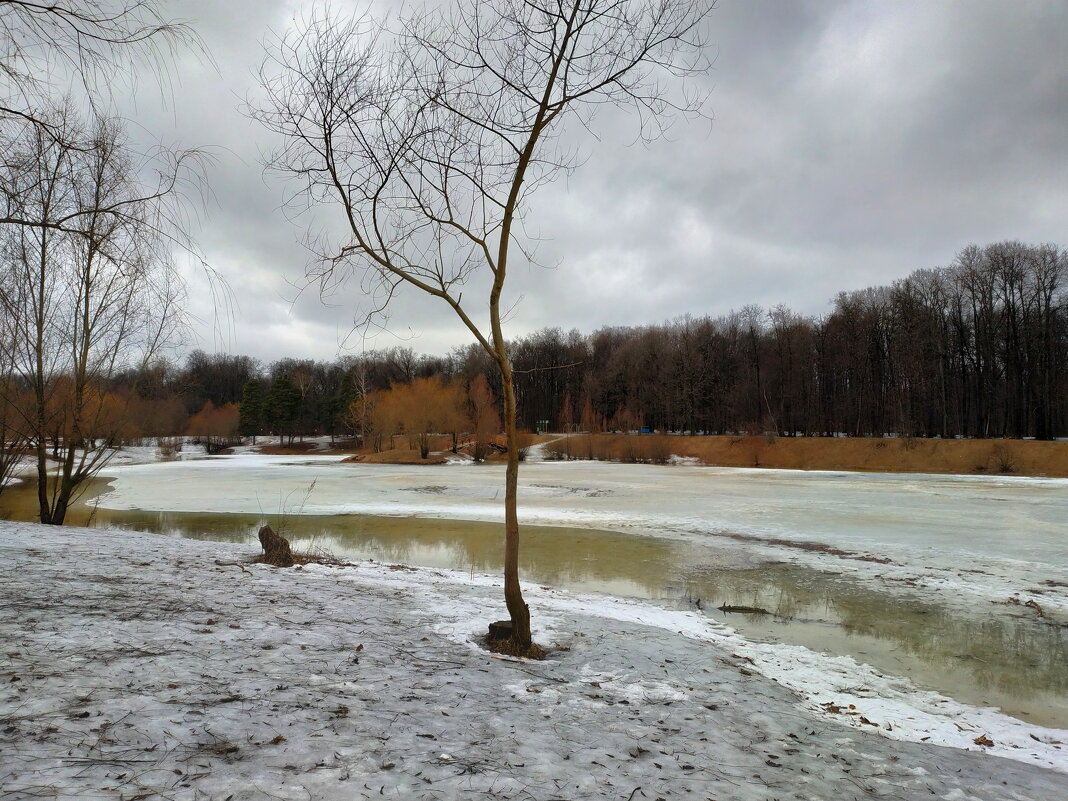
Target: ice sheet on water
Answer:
[[962, 538]]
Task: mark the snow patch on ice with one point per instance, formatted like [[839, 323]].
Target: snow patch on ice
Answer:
[[685, 461]]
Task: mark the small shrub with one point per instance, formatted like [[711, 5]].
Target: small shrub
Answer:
[[523, 441], [1004, 461], [169, 447]]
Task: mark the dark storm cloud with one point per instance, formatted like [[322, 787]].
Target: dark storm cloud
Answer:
[[852, 143]]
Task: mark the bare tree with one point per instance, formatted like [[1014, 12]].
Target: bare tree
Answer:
[[487, 423], [45, 47], [83, 303], [12, 433], [80, 50], [85, 234], [431, 132]]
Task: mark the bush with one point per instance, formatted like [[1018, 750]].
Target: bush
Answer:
[[1004, 461], [169, 447], [523, 441], [479, 451]]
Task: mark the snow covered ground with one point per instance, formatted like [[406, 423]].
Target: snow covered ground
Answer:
[[136, 666]]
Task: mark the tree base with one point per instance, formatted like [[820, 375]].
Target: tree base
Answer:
[[510, 647], [500, 630], [276, 550]]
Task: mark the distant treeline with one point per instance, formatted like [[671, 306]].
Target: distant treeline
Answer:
[[975, 349]]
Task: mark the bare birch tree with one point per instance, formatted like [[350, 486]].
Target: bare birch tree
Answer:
[[430, 132]]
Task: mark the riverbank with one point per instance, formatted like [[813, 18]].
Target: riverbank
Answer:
[[142, 666], [855, 454], [859, 454]]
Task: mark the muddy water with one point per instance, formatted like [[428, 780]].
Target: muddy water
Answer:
[[1019, 664]]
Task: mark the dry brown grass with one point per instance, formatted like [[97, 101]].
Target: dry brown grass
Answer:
[[396, 456], [295, 449], [644, 449], [440, 446], [892, 455], [341, 445], [301, 558]]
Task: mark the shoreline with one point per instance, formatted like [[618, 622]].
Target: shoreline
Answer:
[[965, 457]]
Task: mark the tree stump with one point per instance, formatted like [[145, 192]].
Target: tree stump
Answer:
[[501, 630], [276, 550]]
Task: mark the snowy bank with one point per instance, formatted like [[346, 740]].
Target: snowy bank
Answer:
[[139, 666]]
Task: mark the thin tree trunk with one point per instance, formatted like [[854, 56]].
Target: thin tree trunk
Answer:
[[518, 610]]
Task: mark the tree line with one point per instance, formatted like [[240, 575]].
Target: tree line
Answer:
[[978, 348]]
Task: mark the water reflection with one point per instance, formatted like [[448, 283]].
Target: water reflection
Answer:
[[1017, 664]]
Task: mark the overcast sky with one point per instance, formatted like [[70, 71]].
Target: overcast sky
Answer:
[[853, 142]]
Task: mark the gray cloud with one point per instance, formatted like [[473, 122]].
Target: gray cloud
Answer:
[[853, 142]]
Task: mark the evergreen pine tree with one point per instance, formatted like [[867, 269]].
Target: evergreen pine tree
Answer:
[[283, 404], [252, 409]]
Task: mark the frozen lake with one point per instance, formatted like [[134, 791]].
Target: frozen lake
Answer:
[[915, 575], [970, 535]]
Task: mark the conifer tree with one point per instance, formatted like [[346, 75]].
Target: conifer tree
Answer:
[[283, 403], [252, 409]]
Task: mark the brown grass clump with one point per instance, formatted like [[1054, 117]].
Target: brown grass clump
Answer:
[[277, 552], [301, 558], [397, 456], [316, 556]]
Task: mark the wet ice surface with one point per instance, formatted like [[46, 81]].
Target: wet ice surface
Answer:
[[943, 565], [958, 548], [136, 666], [966, 539]]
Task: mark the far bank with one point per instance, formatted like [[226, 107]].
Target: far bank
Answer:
[[865, 454]]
